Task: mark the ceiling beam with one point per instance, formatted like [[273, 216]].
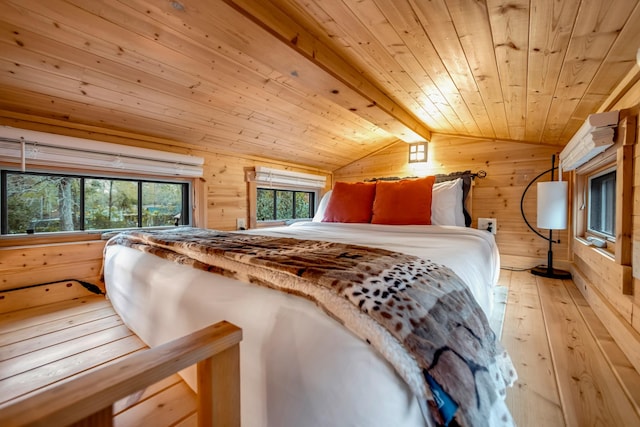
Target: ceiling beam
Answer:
[[324, 72]]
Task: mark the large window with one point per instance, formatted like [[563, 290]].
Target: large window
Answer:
[[279, 205], [43, 202], [602, 204]]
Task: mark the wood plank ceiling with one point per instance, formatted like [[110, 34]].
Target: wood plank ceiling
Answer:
[[315, 82]]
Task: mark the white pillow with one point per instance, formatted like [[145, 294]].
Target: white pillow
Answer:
[[446, 203], [322, 206]]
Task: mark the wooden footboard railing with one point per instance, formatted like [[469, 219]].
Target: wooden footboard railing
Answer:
[[87, 399]]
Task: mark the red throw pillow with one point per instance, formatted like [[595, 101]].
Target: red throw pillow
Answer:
[[350, 202], [403, 202]]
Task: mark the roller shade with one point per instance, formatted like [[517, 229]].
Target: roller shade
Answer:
[[31, 148], [278, 177], [593, 137]]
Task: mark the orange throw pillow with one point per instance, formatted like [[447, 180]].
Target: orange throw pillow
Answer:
[[350, 202], [403, 202]]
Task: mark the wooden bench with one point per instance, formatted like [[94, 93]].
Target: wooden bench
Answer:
[[73, 362]]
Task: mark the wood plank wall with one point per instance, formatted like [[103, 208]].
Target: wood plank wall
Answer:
[[599, 278], [22, 266], [510, 166], [223, 188]]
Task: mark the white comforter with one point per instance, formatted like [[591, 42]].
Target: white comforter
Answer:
[[299, 367]]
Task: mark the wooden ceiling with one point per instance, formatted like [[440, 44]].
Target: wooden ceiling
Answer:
[[316, 82]]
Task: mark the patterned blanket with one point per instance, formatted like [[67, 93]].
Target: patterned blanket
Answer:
[[419, 315]]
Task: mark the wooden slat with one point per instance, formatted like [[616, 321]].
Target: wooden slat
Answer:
[[190, 421], [622, 368], [51, 351], [52, 373], [164, 403], [603, 269], [167, 408], [594, 33], [285, 27], [87, 271], [412, 54], [61, 322], [75, 400], [587, 390], [476, 40], [219, 389], [551, 24], [366, 31], [134, 399], [37, 341], [40, 295], [617, 325], [102, 418], [624, 200], [48, 313], [22, 266], [201, 89], [38, 256], [299, 80], [535, 392], [612, 73]]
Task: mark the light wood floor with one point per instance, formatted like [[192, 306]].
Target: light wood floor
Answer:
[[44, 345], [571, 373]]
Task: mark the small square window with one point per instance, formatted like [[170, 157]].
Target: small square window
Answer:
[[418, 152]]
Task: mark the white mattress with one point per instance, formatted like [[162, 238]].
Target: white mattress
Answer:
[[299, 367]]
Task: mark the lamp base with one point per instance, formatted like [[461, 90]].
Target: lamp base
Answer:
[[552, 273]]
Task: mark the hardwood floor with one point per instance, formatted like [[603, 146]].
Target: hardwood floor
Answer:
[[571, 373], [45, 345]]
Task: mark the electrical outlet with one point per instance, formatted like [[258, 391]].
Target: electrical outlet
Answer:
[[241, 224], [489, 224]]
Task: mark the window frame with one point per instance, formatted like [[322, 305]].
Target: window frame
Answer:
[[619, 156], [81, 235], [253, 183], [589, 232], [313, 203]]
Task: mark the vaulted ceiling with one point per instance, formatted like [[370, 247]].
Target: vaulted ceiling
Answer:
[[315, 82]]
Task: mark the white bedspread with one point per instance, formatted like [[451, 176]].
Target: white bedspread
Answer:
[[299, 367], [472, 254]]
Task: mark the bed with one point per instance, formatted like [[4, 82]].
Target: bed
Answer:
[[300, 366]]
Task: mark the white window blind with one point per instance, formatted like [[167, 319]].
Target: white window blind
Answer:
[[278, 177], [593, 137], [30, 148]]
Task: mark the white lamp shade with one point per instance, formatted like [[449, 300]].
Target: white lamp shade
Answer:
[[552, 205]]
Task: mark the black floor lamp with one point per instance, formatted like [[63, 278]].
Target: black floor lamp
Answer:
[[552, 215]]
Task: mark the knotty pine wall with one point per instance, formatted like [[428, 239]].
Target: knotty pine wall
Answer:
[[599, 278], [32, 260], [510, 166]]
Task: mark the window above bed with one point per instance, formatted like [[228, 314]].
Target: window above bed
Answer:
[[279, 196]]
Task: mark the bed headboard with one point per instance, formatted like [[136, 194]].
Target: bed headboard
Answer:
[[467, 185]]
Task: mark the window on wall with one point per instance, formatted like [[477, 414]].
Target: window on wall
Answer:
[[602, 204], [279, 196], [275, 205], [35, 202]]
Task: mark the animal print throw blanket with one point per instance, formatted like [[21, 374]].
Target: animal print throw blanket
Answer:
[[417, 314]]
